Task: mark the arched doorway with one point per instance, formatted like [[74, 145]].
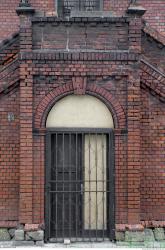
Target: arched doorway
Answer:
[[80, 170]]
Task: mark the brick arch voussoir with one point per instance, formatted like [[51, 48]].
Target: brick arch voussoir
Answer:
[[92, 89], [112, 103]]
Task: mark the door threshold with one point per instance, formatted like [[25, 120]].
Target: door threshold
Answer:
[[71, 240], [83, 244]]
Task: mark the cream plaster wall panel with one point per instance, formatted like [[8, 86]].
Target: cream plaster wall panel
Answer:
[[95, 216], [79, 111]]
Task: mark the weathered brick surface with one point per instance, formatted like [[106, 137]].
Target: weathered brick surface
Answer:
[[152, 143], [154, 51], [133, 90], [155, 13], [81, 35], [10, 22], [9, 156]]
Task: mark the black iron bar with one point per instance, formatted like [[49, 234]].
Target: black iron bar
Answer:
[[103, 198], [112, 186], [48, 215], [59, 181], [83, 183], [63, 207], [89, 188], [76, 184], [83, 130], [76, 191], [96, 161], [70, 183], [56, 189]]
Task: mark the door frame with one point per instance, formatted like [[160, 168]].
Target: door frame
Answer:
[[110, 165]]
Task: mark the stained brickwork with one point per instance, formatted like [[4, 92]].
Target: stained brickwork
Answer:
[[154, 51], [10, 22], [108, 61], [152, 169], [9, 156]]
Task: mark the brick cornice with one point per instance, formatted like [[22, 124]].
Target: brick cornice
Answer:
[[153, 79], [8, 41], [9, 76], [154, 34], [90, 55]]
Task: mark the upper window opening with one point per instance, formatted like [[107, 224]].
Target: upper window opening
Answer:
[[67, 6]]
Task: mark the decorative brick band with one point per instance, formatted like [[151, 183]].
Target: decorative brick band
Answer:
[[88, 55], [153, 79], [47, 103]]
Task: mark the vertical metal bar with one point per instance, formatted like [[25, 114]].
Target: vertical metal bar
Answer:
[[56, 167], [89, 188], [63, 207], [101, 5], [111, 187], [70, 202], [103, 176], [47, 189], [79, 7], [60, 7], [76, 187], [83, 183], [96, 161], [52, 184]]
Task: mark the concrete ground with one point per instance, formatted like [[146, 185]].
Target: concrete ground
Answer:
[[137, 245]]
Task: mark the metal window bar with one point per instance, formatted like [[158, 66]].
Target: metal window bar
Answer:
[[79, 185], [66, 6]]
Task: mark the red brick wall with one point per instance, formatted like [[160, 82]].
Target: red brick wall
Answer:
[[10, 23], [9, 156], [153, 167], [113, 77], [153, 51], [118, 7], [8, 18], [47, 78], [155, 13]]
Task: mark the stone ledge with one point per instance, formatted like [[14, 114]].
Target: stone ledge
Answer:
[[136, 10], [80, 56], [81, 19], [25, 10]]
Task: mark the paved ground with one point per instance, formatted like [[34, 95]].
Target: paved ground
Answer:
[[11, 244], [146, 245]]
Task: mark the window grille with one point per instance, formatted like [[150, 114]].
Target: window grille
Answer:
[[79, 185], [67, 6]]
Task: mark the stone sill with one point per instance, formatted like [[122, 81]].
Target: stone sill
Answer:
[[81, 19], [91, 14]]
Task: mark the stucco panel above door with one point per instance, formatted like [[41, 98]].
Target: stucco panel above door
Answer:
[[80, 111]]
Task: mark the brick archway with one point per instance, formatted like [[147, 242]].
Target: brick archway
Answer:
[[40, 118], [52, 97]]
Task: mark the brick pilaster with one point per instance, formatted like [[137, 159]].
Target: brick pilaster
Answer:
[[134, 164], [26, 102]]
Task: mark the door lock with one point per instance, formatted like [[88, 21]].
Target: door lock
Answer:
[[82, 189]]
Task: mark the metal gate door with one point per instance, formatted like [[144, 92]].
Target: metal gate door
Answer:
[[79, 185]]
